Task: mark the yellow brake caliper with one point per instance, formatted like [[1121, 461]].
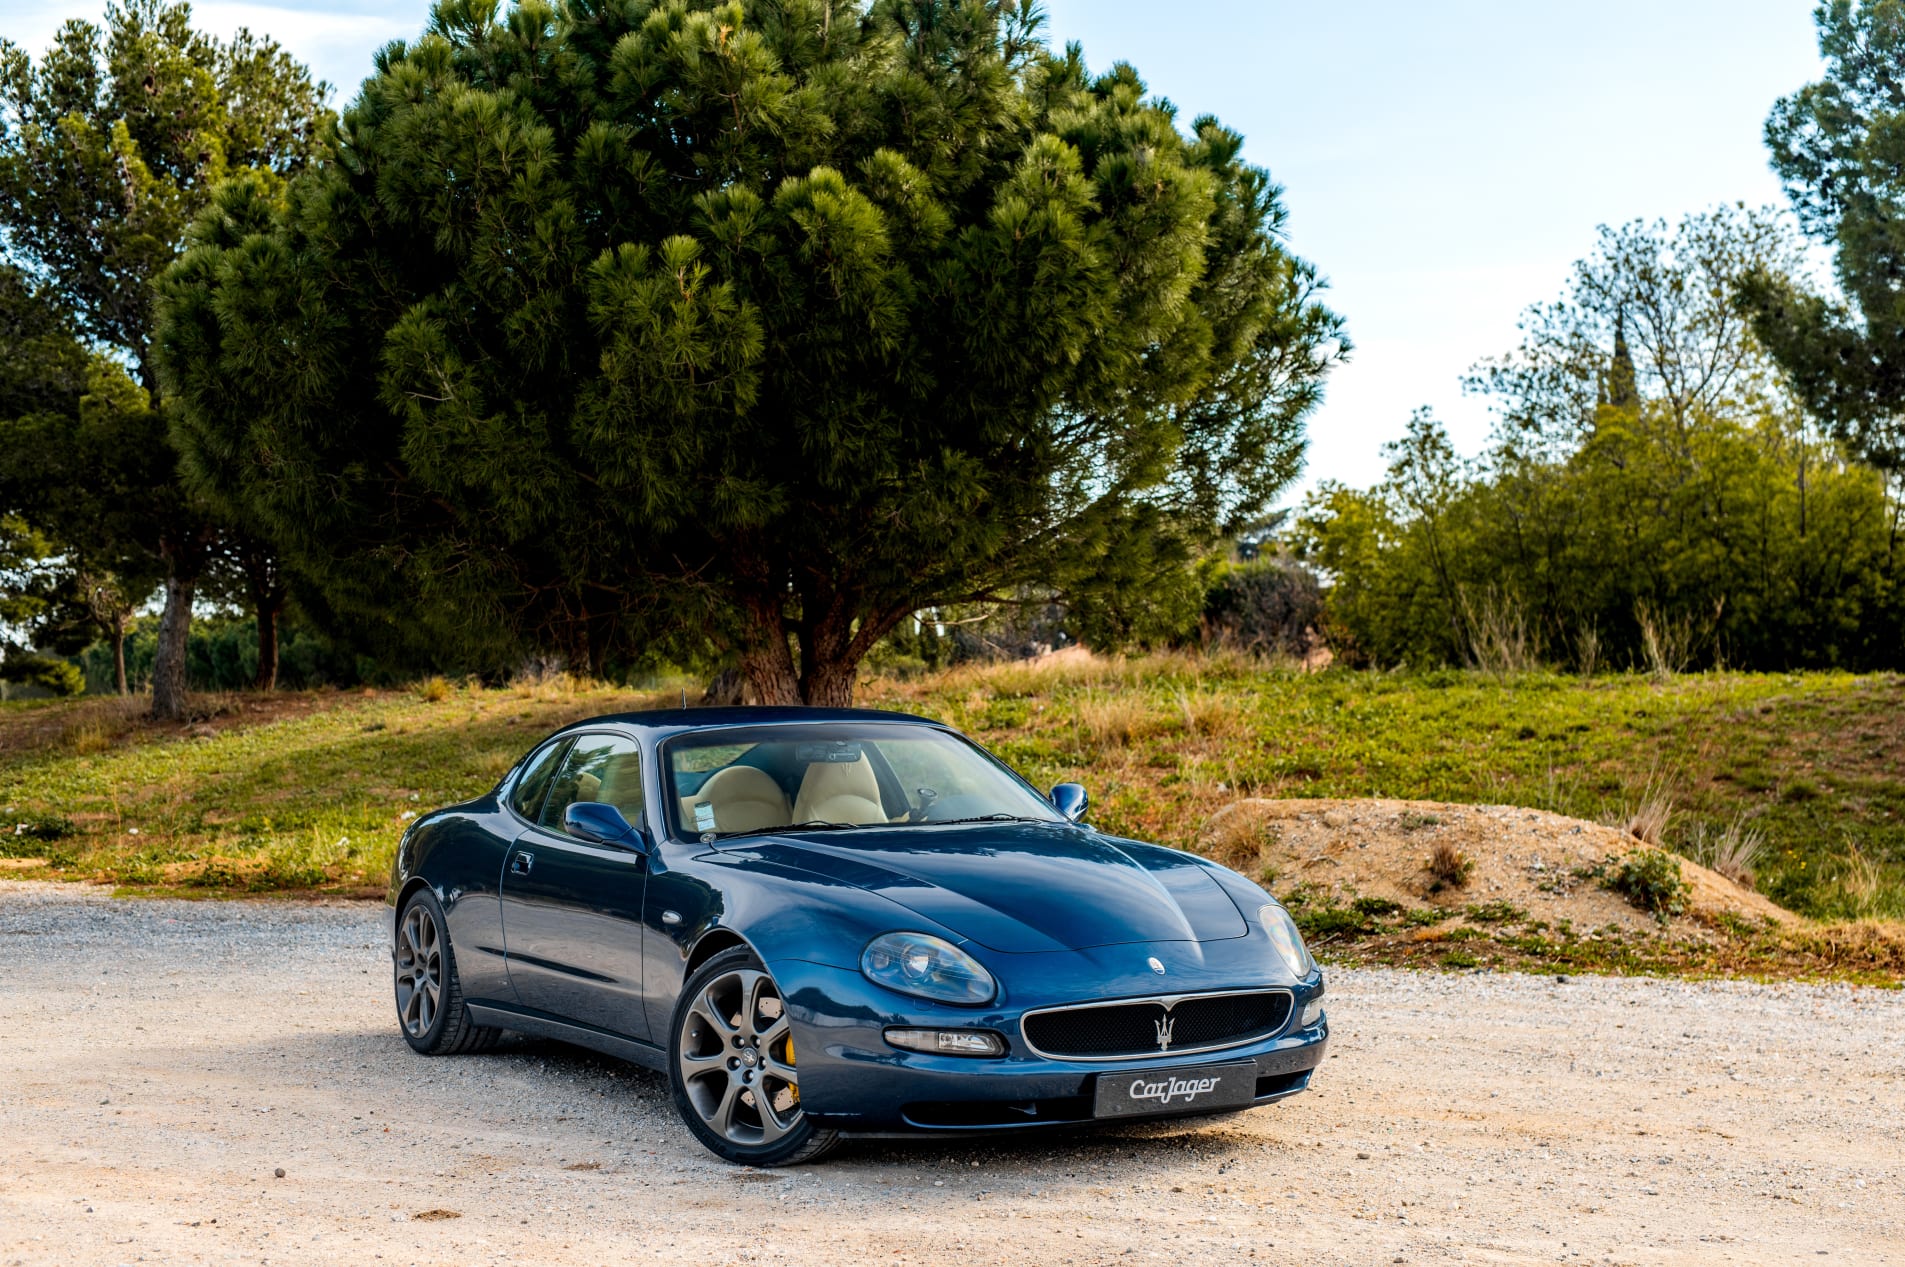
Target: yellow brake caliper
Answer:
[[791, 1088]]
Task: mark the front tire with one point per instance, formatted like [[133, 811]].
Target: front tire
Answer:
[[732, 1066], [430, 1008]]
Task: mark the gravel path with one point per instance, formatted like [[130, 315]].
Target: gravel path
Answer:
[[165, 1059]]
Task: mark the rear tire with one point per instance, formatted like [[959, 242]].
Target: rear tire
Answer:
[[431, 1012], [732, 1066]]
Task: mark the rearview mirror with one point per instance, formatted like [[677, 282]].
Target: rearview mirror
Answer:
[[1071, 800], [601, 823]]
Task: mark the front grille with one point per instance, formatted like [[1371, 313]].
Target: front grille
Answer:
[[1105, 1031]]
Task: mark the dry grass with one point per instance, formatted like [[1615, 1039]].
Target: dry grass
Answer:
[[434, 690], [1113, 720], [1496, 630], [1648, 818], [1207, 713], [1733, 851], [1666, 644], [1235, 835], [1448, 867]]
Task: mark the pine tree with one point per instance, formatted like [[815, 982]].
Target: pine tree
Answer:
[[626, 321], [1839, 149]]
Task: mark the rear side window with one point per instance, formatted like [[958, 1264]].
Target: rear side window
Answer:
[[527, 798]]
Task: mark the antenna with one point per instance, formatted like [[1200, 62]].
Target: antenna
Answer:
[[684, 697]]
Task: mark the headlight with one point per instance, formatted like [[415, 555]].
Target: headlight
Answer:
[[1281, 930], [931, 967]]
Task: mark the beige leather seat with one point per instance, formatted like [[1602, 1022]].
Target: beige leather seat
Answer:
[[742, 799], [840, 792], [621, 785]]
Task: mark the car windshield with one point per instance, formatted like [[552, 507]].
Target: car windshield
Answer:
[[823, 776]]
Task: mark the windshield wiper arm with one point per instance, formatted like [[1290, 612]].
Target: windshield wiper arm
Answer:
[[989, 818], [812, 824]]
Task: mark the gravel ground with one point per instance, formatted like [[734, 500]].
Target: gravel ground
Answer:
[[165, 1059]]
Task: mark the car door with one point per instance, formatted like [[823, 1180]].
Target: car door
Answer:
[[572, 908]]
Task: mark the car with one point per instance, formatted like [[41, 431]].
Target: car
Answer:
[[822, 923]]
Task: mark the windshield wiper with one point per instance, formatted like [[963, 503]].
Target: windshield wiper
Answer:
[[812, 824], [988, 818]]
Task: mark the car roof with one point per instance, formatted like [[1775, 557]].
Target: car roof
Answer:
[[660, 723]]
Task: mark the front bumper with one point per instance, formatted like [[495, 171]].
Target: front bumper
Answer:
[[852, 1079]]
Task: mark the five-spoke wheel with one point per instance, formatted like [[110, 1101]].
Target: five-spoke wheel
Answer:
[[419, 970], [430, 1006], [735, 1073]]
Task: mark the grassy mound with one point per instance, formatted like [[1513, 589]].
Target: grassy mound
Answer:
[[1791, 787]]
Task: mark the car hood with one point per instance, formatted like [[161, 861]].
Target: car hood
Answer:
[[1024, 887]]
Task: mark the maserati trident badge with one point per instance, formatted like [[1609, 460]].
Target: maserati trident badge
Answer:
[[1165, 1024], [1157, 965]]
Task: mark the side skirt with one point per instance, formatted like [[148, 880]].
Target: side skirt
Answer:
[[632, 1050]]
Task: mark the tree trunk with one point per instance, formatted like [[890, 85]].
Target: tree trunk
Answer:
[[168, 661], [834, 641], [266, 678], [119, 656], [766, 659]]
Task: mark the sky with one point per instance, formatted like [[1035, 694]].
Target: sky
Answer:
[[1443, 163]]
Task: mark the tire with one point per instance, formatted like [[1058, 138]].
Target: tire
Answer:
[[731, 1066], [431, 1012]]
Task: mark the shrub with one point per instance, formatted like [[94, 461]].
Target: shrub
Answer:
[[434, 690], [1650, 879], [1320, 923], [45, 827], [1269, 606], [50, 673]]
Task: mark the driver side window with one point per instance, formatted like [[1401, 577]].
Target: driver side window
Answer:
[[605, 768]]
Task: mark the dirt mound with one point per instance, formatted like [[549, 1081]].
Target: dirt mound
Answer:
[[1532, 860]]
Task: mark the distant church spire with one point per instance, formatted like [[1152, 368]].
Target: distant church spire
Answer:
[[1617, 385]]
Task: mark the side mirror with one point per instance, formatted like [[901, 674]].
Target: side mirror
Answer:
[[602, 824], [1071, 800]]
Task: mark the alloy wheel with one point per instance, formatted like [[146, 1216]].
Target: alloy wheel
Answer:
[[419, 970], [736, 1058]]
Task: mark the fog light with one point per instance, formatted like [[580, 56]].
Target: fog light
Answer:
[[948, 1042], [1312, 1012]]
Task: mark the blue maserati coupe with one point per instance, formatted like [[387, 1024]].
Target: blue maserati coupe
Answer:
[[829, 922]]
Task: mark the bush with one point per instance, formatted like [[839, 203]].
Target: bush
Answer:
[[1269, 606], [1650, 879], [49, 673]]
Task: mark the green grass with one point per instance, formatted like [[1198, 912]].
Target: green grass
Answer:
[[316, 799], [313, 801], [1815, 762]]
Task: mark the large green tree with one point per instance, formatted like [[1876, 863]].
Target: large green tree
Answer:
[[110, 145], [625, 320], [1839, 148]]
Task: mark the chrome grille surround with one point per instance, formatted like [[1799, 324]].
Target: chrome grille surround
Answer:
[[1166, 1002]]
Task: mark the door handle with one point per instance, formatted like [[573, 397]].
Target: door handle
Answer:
[[521, 862]]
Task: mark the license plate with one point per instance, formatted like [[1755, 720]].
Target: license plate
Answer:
[[1185, 1089]]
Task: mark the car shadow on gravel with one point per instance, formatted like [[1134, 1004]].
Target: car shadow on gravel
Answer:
[[1131, 1142], [575, 1086]]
